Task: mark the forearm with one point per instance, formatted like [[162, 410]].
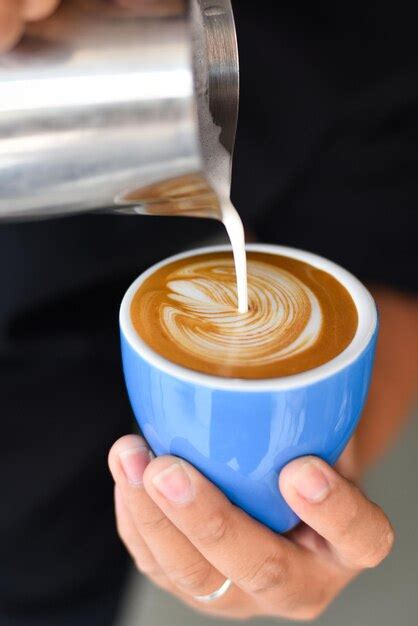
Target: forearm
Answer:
[[394, 387]]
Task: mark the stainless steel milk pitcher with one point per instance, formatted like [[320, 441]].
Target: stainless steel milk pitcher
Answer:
[[104, 107]]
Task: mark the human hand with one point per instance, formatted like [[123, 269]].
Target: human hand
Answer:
[[186, 536], [15, 13]]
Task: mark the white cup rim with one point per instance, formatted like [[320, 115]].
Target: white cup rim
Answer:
[[367, 322]]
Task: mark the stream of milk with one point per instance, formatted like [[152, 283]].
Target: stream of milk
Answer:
[[234, 227]]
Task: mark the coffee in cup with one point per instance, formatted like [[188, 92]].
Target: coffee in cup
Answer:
[[299, 316]]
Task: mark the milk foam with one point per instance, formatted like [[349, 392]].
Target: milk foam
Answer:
[[284, 317]]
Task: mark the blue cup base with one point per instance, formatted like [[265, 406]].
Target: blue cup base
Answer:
[[240, 440]]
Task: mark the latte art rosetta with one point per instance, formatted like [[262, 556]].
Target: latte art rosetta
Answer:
[[298, 315], [200, 313]]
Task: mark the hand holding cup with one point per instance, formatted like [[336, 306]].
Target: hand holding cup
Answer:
[[187, 537]]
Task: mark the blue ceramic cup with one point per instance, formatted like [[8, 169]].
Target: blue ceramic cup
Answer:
[[241, 433]]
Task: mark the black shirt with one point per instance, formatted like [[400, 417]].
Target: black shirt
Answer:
[[327, 148]]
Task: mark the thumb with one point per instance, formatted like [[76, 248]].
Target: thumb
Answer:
[[357, 529]]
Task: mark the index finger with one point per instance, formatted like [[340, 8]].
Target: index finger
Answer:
[[251, 555]]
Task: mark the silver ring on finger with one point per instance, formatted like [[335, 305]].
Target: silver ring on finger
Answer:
[[210, 597]]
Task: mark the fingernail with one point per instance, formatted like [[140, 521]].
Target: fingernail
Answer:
[[174, 484], [311, 483], [134, 462]]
